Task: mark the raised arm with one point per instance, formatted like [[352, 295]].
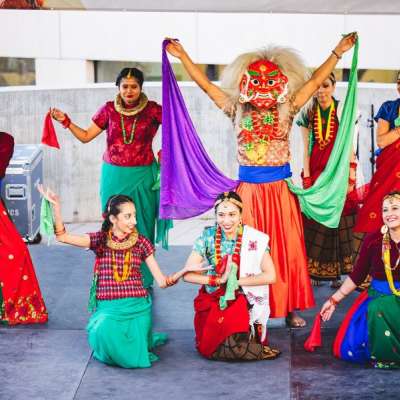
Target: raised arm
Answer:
[[213, 91], [84, 135], [59, 228], [323, 71]]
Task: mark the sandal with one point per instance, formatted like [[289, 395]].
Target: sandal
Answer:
[[269, 353]]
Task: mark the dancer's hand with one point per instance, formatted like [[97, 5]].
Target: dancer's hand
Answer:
[[175, 48], [346, 43], [202, 267], [48, 194], [327, 310], [57, 114]]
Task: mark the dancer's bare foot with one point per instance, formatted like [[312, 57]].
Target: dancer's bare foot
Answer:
[[293, 320]]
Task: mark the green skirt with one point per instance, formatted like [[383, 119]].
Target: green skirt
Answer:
[[142, 185], [120, 333]]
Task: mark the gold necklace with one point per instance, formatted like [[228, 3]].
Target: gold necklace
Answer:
[[387, 264], [130, 112], [323, 140], [126, 244], [126, 268]]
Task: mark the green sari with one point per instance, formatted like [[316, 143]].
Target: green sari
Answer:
[[120, 332]]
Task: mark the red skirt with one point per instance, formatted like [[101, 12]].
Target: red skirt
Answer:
[[385, 180], [22, 301], [273, 209], [213, 325]]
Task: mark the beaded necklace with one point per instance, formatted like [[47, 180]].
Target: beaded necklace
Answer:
[[126, 247], [324, 139], [387, 264], [132, 133], [219, 265]]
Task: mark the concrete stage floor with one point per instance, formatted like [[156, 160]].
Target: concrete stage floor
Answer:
[[54, 362]]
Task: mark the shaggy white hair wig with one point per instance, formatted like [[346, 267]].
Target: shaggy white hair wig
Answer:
[[287, 59]]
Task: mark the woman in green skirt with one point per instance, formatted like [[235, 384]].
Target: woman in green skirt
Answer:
[[129, 166], [370, 332], [120, 329]]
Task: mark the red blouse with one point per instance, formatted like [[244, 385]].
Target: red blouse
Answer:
[[137, 153], [107, 287], [370, 260]]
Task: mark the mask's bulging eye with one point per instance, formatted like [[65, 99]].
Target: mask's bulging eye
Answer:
[[271, 82], [255, 82]]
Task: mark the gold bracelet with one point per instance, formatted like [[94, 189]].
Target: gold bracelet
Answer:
[[336, 54]]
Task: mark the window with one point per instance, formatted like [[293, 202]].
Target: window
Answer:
[[17, 71]]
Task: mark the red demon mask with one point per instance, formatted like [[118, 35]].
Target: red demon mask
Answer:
[[263, 85]]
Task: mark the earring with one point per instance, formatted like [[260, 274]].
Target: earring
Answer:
[[384, 229]]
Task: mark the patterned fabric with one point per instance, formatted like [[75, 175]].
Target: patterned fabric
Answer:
[[389, 111], [107, 287], [330, 251], [139, 152], [370, 259], [370, 331], [21, 300], [239, 347], [205, 246], [275, 151]]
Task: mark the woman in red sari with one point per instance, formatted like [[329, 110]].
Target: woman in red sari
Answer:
[[329, 250], [387, 175], [20, 297]]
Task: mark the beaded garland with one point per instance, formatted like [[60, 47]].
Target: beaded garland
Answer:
[[387, 263], [126, 247], [324, 139], [219, 267], [132, 133]]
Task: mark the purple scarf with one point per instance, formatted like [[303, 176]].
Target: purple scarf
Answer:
[[190, 182]]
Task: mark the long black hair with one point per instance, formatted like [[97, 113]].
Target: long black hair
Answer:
[[113, 207], [131, 72]]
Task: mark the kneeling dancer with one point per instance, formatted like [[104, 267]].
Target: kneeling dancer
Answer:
[[120, 329], [232, 307], [370, 332]]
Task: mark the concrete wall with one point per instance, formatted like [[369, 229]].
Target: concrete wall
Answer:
[[74, 170]]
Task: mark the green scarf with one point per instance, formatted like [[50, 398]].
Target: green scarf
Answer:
[[231, 286], [46, 219], [324, 201]]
